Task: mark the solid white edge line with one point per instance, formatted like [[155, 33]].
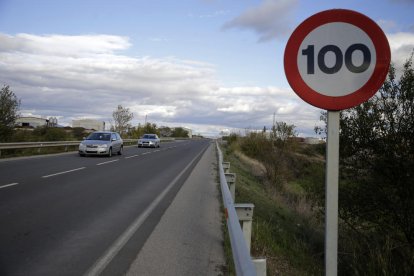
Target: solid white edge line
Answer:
[[107, 162], [8, 185], [46, 176], [113, 250]]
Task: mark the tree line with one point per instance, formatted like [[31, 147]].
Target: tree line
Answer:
[[9, 113]]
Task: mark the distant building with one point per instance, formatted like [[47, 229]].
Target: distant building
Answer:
[[33, 122], [89, 124]]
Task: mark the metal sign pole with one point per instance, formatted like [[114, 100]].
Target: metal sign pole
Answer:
[[331, 210]]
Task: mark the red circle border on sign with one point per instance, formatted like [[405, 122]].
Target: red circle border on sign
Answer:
[[354, 98]]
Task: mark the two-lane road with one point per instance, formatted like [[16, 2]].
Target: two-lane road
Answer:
[[71, 215]]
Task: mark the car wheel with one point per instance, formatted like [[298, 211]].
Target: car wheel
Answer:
[[120, 151], [110, 152], [81, 154]]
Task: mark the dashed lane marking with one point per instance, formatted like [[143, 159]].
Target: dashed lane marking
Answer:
[[8, 185], [107, 162], [59, 173], [132, 156]]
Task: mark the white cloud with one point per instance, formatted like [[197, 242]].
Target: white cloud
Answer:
[[270, 20], [63, 45], [402, 46], [52, 79]]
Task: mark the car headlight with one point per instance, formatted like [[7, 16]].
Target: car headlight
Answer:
[[82, 145], [103, 146]]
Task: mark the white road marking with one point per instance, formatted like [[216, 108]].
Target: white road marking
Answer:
[[148, 152], [103, 163], [8, 185], [46, 176], [113, 250], [135, 155]]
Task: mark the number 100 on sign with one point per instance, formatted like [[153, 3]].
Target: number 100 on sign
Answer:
[[335, 64], [338, 59]]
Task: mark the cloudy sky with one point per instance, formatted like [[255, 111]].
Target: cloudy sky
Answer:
[[210, 65]]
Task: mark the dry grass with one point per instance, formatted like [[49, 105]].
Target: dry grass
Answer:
[[256, 167], [282, 215]]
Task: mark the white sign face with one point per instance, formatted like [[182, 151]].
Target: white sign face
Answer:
[[336, 59]]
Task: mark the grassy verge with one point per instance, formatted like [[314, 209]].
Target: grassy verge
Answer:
[[282, 232]]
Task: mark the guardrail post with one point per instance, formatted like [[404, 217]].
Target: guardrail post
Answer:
[[231, 181], [226, 167], [245, 214], [260, 265]]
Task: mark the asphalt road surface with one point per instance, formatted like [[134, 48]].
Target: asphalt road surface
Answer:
[[71, 215]]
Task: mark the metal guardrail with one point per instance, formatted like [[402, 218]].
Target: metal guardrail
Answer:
[[26, 145], [241, 254], [40, 145]]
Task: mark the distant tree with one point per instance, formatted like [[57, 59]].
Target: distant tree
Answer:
[[150, 128], [138, 131], [122, 116], [282, 132], [9, 108], [165, 131], [78, 133], [179, 132]]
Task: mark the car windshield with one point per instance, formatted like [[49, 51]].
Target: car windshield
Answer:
[[149, 136], [99, 136]]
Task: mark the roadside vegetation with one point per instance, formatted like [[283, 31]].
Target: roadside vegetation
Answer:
[[286, 229], [55, 134], [11, 133], [285, 180]]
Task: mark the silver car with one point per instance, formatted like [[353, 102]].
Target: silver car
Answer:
[[149, 140], [101, 143]]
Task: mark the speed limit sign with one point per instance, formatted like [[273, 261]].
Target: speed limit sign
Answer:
[[337, 59]]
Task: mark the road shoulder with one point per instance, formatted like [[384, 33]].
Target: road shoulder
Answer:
[[188, 240]]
